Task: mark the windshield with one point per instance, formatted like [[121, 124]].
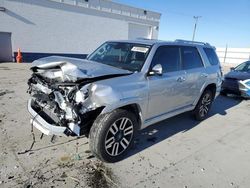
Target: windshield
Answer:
[[244, 67], [122, 55]]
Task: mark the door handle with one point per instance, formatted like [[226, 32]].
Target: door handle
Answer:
[[181, 79], [204, 75]]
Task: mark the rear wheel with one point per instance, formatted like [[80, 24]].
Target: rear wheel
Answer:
[[203, 106], [112, 135]]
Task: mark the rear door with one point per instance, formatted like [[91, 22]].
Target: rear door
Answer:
[[194, 69]]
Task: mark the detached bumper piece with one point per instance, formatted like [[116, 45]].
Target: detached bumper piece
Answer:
[[45, 124]]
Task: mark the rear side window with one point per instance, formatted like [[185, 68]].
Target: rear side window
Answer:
[[190, 58], [168, 57], [211, 55]]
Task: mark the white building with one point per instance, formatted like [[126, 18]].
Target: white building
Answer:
[[69, 27]]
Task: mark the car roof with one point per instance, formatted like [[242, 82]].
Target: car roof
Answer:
[[161, 42]]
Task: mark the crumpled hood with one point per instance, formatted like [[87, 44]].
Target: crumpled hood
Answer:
[[73, 69], [237, 75]]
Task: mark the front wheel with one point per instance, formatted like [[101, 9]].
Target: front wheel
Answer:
[[203, 106], [112, 135]]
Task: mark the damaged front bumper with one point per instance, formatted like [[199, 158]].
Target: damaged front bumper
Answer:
[[236, 87], [64, 98], [47, 128]]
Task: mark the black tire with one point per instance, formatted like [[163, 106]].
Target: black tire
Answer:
[[202, 108], [103, 130]]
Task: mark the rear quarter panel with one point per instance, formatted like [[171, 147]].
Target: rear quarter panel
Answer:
[[213, 71]]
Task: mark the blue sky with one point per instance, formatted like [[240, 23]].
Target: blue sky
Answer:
[[223, 21]]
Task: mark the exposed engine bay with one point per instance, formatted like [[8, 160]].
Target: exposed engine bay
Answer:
[[64, 98]]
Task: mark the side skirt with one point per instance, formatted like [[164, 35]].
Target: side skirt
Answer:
[[166, 115]]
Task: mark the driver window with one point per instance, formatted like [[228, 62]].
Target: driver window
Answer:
[[168, 57]]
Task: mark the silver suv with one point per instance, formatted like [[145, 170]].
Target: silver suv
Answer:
[[122, 87]]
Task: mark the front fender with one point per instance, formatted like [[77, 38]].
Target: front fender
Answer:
[[124, 102], [140, 104], [115, 96]]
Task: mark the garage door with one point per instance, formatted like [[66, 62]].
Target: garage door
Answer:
[[138, 31], [5, 47]]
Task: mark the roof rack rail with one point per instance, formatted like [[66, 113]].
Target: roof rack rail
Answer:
[[192, 42]]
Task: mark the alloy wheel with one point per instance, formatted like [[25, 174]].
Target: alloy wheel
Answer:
[[119, 136], [205, 104]]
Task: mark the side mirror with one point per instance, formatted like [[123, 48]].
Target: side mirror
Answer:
[[156, 70], [232, 68]]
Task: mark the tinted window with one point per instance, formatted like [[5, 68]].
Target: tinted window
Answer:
[[212, 57], [190, 58], [168, 57]]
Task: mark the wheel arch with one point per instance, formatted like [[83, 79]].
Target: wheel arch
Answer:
[[133, 107], [211, 86], [136, 110]]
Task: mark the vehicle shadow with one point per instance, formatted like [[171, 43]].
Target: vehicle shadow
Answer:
[[180, 123]]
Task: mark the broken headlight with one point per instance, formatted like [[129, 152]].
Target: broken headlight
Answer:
[[247, 82], [244, 87], [82, 94]]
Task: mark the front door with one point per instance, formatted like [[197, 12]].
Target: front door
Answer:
[[166, 91]]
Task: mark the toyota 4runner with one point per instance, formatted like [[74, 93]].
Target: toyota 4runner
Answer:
[[120, 88]]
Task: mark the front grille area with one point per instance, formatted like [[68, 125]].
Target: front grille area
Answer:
[[45, 113], [230, 83]]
